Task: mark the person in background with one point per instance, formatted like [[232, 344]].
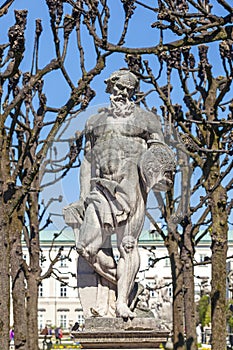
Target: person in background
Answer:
[[57, 335], [45, 331], [60, 335], [12, 334]]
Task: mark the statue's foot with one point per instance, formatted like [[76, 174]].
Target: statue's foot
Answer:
[[122, 310]]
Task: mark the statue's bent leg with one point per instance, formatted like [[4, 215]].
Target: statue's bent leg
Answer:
[[129, 261], [127, 269], [92, 246]]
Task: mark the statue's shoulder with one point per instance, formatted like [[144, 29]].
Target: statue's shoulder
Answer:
[[95, 119], [148, 117]]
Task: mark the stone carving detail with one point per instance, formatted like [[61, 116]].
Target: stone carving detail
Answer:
[[162, 305], [125, 156]]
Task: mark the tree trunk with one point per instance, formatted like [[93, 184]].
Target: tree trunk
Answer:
[[187, 256], [4, 247], [18, 286], [34, 274], [178, 305], [217, 204], [4, 284], [219, 255], [32, 310]]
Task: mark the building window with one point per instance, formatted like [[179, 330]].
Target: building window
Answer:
[[63, 321], [152, 293], [63, 261], [203, 258], [151, 286], [63, 290], [40, 320], [167, 262], [41, 290], [80, 319], [170, 291]]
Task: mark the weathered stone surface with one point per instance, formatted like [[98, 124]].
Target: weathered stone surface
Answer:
[[118, 324], [122, 340], [110, 333], [87, 286]]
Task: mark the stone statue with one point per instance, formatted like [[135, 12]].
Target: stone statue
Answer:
[[125, 156], [163, 305]]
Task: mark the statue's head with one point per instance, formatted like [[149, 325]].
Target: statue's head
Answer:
[[122, 81]]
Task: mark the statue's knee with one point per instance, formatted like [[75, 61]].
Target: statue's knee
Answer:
[[80, 248], [129, 243], [87, 252]]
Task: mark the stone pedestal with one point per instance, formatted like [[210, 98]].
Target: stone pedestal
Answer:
[[115, 333]]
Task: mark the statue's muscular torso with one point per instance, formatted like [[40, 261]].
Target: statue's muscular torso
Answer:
[[116, 144]]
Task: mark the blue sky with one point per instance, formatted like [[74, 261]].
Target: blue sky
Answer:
[[140, 34], [38, 9]]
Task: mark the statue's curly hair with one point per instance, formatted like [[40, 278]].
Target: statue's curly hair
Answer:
[[124, 73]]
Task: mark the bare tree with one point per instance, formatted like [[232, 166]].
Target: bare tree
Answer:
[[200, 115], [28, 127], [205, 131]]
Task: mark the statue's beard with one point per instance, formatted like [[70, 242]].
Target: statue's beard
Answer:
[[121, 107]]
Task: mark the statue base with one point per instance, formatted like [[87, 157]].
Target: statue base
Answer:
[[115, 333]]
